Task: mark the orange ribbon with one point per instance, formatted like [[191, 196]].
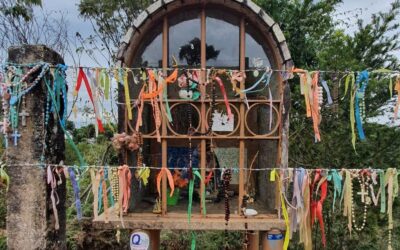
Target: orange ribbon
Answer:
[[155, 91], [125, 177], [162, 172], [397, 88]]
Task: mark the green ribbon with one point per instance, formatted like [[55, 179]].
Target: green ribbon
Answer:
[[203, 202], [69, 139], [165, 97], [337, 185]]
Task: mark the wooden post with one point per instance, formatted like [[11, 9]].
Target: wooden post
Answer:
[[154, 239], [29, 219], [254, 240]]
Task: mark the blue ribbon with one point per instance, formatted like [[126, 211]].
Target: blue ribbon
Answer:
[[362, 82], [265, 78]]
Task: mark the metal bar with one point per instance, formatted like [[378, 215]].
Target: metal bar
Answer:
[[203, 157], [242, 145], [164, 143]]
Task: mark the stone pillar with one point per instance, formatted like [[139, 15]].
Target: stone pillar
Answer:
[[30, 222]]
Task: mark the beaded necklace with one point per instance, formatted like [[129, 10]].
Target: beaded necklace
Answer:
[[226, 183], [364, 184]]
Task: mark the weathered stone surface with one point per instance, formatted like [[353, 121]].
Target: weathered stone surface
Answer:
[[140, 19], [121, 51], [267, 19], [29, 219], [254, 7], [129, 34], [285, 51], [278, 33], [154, 7]]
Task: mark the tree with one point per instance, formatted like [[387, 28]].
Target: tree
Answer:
[[191, 52], [21, 23], [110, 20]]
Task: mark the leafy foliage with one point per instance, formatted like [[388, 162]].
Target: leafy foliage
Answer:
[[112, 18]]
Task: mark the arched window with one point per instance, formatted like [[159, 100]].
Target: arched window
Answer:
[[222, 43]]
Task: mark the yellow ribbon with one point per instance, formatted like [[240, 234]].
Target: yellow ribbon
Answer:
[[347, 198], [352, 112], [127, 96], [273, 177]]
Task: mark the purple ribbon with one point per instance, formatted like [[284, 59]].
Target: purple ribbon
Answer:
[[75, 186]]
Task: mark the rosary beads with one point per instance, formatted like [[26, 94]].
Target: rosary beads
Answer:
[[364, 184], [226, 182]]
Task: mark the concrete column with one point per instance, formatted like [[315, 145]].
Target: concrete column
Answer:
[[29, 218]]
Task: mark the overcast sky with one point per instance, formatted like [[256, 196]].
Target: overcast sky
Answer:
[[77, 24]]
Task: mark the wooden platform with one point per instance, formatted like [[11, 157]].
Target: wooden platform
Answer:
[[179, 221]]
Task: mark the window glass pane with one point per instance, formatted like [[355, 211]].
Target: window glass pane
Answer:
[[150, 52], [184, 39], [257, 57], [222, 39], [256, 53]]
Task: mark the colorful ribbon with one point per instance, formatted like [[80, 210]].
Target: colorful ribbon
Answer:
[[203, 202], [228, 107], [125, 177], [362, 82], [336, 178], [273, 177], [82, 77], [75, 187], [316, 206], [165, 171]]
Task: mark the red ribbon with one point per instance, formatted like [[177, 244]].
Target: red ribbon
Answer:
[[82, 76], [316, 206], [228, 107]]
